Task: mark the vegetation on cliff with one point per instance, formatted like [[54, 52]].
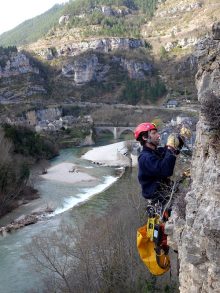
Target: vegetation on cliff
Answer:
[[29, 143], [126, 23], [136, 91], [19, 149], [122, 18], [5, 53]]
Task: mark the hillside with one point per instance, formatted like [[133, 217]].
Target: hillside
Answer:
[[173, 32], [181, 23], [132, 52], [31, 30], [116, 18]]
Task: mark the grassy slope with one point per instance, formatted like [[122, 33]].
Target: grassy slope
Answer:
[[33, 29]]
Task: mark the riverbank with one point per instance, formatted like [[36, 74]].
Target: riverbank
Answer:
[[27, 195], [114, 155], [67, 173], [71, 174], [69, 200]]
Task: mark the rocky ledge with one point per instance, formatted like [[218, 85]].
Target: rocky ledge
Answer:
[[16, 64], [25, 221], [103, 45]]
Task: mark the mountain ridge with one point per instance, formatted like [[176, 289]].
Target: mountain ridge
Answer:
[[104, 67], [32, 29]]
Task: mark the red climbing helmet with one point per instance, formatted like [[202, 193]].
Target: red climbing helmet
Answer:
[[143, 127]]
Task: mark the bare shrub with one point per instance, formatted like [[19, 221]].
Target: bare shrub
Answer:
[[99, 255]]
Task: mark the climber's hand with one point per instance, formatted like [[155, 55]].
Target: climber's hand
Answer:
[[185, 132], [173, 141]]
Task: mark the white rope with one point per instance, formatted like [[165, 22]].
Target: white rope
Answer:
[[171, 196]]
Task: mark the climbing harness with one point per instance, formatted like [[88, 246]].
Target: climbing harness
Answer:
[[152, 243]]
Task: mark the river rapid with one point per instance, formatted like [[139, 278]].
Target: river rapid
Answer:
[[16, 274]]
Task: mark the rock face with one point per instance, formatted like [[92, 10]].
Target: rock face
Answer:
[[136, 69], [103, 45], [64, 19], [20, 78], [50, 114], [182, 43], [181, 6], [187, 66], [83, 63], [114, 11], [16, 64], [91, 68], [85, 69], [199, 246]]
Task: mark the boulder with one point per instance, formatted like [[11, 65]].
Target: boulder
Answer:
[[64, 19]]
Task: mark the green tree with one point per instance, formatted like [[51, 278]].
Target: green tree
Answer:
[[29, 143]]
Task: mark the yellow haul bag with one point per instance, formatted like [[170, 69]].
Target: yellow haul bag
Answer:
[[157, 264]]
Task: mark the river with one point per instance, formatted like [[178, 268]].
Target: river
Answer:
[[16, 275]]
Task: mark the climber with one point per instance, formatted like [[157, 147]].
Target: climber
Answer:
[[156, 164]]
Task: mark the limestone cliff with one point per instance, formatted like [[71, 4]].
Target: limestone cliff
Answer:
[[17, 63], [20, 77], [96, 69], [80, 60], [66, 45], [199, 245]]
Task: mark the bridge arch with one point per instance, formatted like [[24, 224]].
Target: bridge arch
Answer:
[[115, 130], [125, 131], [104, 130]]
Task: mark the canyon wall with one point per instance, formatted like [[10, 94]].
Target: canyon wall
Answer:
[[199, 238]]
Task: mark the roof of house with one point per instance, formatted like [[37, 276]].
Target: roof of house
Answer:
[[172, 102]]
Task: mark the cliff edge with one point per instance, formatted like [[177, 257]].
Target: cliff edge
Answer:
[[199, 245]]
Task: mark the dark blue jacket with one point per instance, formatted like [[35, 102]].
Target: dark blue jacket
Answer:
[[155, 166]]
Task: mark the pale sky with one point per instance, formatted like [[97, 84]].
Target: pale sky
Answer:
[[14, 12]]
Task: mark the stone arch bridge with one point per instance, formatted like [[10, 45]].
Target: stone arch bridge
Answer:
[[115, 130]]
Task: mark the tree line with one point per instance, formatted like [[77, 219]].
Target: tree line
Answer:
[[20, 148], [110, 25], [81, 6]]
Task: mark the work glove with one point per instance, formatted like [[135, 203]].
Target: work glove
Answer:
[[185, 132], [175, 142]]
